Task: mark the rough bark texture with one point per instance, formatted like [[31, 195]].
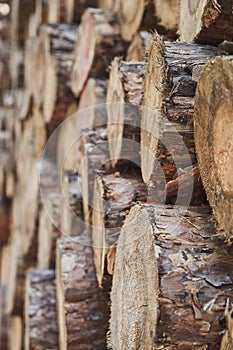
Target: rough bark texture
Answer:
[[167, 121], [40, 311], [181, 276], [206, 21], [125, 88], [82, 306], [99, 41], [114, 194], [213, 138]]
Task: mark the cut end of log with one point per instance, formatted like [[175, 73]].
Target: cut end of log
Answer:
[[213, 138]]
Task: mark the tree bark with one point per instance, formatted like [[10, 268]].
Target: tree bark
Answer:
[[114, 194], [82, 306], [99, 41], [126, 85], [41, 329], [206, 21], [167, 119], [180, 273], [213, 139]]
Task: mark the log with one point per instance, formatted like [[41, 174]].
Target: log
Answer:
[[15, 333], [68, 11], [106, 4], [207, 22], [227, 340], [5, 213], [180, 273], [99, 41], [132, 16], [41, 329], [95, 155], [188, 181], [52, 69], [139, 48], [82, 306], [93, 94], [213, 139], [114, 195], [167, 118], [45, 238], [4, 318], [168, 14], [126, 85]]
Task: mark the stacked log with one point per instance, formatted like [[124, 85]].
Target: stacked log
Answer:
[[208, 22], [213, 139], [181, 275], [167, 136], [98, 43], [41, 330], [82, 306]]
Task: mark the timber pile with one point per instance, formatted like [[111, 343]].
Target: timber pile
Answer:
[[163, 137]]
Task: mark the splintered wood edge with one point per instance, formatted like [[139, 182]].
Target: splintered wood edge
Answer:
[[15, 333], [153, 105], [131, 15], [191, 15], [60, 300], [99, 238], [135, 285], [213, 138], [115, 111]]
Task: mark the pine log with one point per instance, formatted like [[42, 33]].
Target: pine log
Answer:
[[171, 281], [82, 306], [167, 136], [125, 88], [135, 15], [45, 237], [68, 11], [139, 47], [4, 318], [114, 195], [41, 329], [15, 333], [168, 13], [99, 41], [52, 69], [205, 21], [106, 4], [213, 139], [93, 94], [95, 155]]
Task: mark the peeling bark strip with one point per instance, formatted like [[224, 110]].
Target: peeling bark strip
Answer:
[[98, 42], [206, 21], [126, 85], [40, 311], [114, 195], [54, 56], [172, 73], [172, 279], [213, 138], [82, 306]]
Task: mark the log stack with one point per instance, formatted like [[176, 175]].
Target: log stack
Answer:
[[126, 182]]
